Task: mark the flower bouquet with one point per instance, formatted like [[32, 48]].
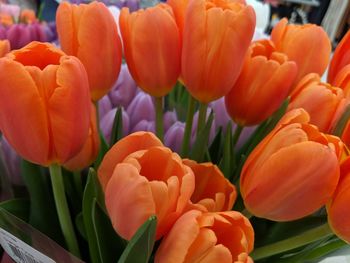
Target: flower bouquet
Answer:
[[168, 136]]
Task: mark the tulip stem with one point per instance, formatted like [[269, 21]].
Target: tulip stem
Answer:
[[303, 239], [247, 214], [201, 117], [188, 127], [159, 117], [236, 135], [63, 210]]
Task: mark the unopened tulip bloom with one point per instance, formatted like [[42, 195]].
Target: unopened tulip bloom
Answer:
[[340, 59], [107, 122], [216, 37], [174, 136], [90, 149], [141, 108], [308, 45], [44, 103], [90, 33], [338, 208], [213, 191], [144, 125], [4, 47], [263, 84], [225, 237], [152, 48], [221, 117], [324, 103], [292, 172], [134, 192]]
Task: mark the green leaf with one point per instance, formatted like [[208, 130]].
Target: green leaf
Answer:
[[92, 192], [110, 245], [338, 130], [43, 215], [201, 142], [79, 223], [103, 149], [215, 149], [17, 207], [227, 163], [140, 247], [117, 131]]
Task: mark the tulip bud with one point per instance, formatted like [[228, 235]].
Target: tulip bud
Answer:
[[221, 117], [104, 106], [338, 207], [324, 103], [340, 59], [292, 172], [255, 96], [307, 45], [152, 48], [174, 136], [144, 125], [44, 103], [124, 90], [141, 108], [134, 192], [90, 33], [169, 118], [208, 237], [216, 37]]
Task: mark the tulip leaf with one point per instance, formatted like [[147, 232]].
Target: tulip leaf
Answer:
[[103, 149], [117, 131], [79, 223], [43, 215], [110, 245], [92, 191], [215, 149], [340, 126], [227, 163], [140, 247], [18, 207], [201, 142]]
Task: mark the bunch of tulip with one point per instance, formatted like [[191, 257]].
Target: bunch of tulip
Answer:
[[205, 146]]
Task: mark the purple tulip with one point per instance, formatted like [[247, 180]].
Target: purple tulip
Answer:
[[141, 108], [3, 32], [18, 35], [221, 117], [124, 89], [104, 106], [169, 118], [144, 125], [174, 135], [245, 135], [106, 124]]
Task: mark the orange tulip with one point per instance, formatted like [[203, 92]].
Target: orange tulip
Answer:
[[340, 59], [342, 80], [338, 207], [90, 149], [4, 47], [263, 84], [152, 48], [216, 37], [324, 103], [213, 191], [6, 20], [293, 172], [90, 33], [44, 103], [135, 191], [308, 45], [224, 237], [179, 9], [27, 16]]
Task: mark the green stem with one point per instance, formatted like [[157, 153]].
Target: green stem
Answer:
[[62, 209], [201, 116], [159, 117], [188, 128], [236, 135], [293, 242]]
